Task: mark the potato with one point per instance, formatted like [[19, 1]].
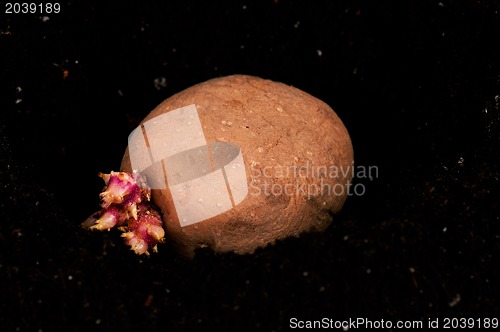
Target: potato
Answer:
[[276, 162]]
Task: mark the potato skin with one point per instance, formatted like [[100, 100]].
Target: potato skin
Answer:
[[277, 127]]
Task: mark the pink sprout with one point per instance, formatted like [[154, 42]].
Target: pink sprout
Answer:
[[125, 205]]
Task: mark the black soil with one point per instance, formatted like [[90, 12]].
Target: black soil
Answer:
[[417, 84]]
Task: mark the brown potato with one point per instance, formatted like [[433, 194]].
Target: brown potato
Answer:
[[297, 164]]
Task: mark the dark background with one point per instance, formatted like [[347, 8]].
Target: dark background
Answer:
[[417, 84]]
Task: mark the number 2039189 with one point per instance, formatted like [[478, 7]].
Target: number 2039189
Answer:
[[32, 8]]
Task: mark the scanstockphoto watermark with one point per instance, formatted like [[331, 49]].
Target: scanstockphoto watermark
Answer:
[[310, 180]]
